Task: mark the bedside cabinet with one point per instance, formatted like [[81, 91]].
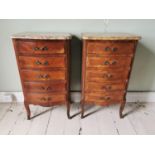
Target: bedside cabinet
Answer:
[[43, 63], [106, 66]]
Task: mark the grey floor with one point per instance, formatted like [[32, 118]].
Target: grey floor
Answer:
[[140, 119]]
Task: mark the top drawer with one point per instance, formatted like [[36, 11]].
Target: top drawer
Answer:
[[40, 46], [111, 47]]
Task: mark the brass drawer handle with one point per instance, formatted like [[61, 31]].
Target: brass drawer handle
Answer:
[[114, 62], [106, 87], [107, 98], [114, 49], [46, 99], [107, 49], [46, 88], [40, 48], [46, 63], [40, 63], [36, 48], [44, 48], [46, 76], [106, 63], [107, 75]]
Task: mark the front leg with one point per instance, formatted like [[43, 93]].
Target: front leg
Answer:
[[68, 110], [27, 110], [121, 109], [82, 109]]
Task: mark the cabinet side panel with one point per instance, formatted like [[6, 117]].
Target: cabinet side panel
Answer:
[[131, 65], [67, 48], [84, 53], [15, 44]]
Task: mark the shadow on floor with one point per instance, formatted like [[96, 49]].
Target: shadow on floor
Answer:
[[43, 112], [88, 108], [134, 107]]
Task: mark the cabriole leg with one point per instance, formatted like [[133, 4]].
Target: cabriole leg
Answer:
[[28, 111], [68, 110], [82, 109], [121, 109]]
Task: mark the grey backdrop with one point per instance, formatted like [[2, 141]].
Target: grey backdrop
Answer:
[[142, 76]]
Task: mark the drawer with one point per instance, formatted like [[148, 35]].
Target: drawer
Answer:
[[41, 62], [45, 99], [40, 46], [111, 47], [109, 61], [33, 75], [104, 98], [103, 87], [45, 86], [106, 76]]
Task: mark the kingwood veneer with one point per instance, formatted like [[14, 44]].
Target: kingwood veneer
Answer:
[[106, 66], [43, 63]]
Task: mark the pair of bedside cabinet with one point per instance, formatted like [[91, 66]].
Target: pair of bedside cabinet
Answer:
[[44, 66]]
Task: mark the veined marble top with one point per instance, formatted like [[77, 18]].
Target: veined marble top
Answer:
[[43, 36], [110, 36]]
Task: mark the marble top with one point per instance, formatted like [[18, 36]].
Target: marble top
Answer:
[[42, 36], [110, 36]]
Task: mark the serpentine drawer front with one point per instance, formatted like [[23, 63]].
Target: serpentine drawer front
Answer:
[[106, 66], [43, 63]]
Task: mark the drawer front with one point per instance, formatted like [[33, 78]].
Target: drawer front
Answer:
[[109, 62], [106, 76], [45, 86], [45, 99], [104, 87], [41, 62], [111, 47], [29, 75], [40, 47], [104, 98]]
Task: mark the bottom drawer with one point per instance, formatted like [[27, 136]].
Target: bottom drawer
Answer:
[[104, 98], [47, 99]]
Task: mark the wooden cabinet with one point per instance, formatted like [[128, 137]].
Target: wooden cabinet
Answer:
[[43, 63], [106, 65]]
